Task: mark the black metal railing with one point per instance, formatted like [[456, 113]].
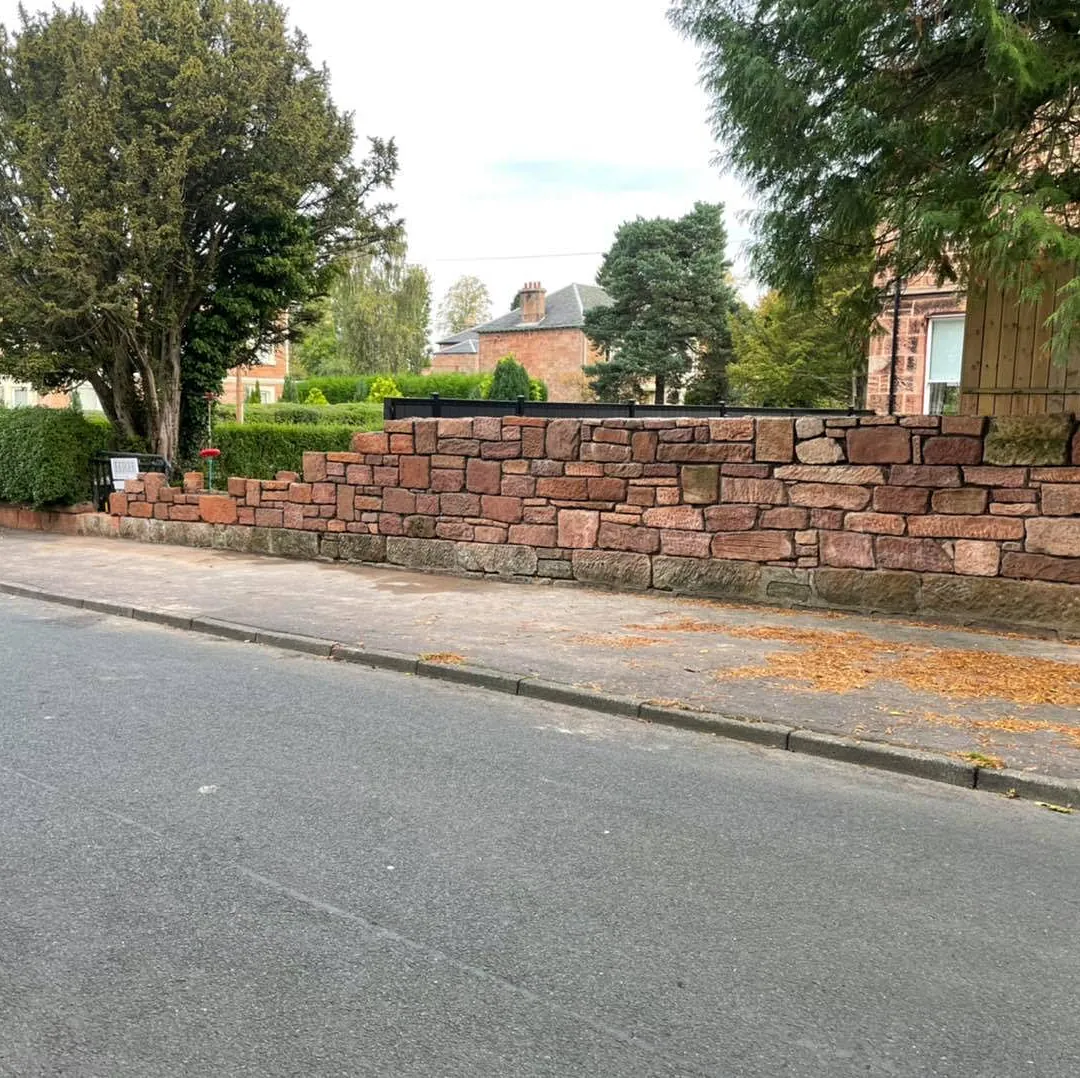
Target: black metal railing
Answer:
[[454, 408], [101, 472]]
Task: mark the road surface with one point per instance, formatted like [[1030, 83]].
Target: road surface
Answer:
[[219, 859]]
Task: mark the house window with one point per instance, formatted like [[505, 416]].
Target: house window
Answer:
[[266, 394], [944, 352], [20, 396]]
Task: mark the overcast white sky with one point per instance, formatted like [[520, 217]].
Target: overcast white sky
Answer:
[[525, 130]]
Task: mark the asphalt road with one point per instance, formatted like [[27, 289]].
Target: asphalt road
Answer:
[[216, 859]]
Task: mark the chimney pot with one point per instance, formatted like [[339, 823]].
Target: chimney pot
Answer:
[[533, 302]]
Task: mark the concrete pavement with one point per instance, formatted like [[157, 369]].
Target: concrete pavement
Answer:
[[225, 859], [982, 697]]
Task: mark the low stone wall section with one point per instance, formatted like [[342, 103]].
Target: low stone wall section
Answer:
[[914, 514]]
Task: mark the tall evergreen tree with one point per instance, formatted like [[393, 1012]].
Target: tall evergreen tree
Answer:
[[175, 175], [928, 135], [671, 297]]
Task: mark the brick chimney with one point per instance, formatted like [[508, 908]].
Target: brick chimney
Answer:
[[532, 302]]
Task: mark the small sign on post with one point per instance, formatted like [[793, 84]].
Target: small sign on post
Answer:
[[123, 469]]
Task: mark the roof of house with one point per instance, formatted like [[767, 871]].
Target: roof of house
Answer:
[[466, 343], [564, 309]]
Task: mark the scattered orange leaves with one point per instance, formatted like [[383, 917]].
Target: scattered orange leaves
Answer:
[[828, 661], [1007, 724], [606, 640], [444, 658]]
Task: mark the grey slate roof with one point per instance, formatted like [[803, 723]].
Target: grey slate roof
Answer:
[[564, 309], [467, 347]]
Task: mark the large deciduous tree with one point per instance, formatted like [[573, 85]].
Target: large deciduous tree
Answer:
[[932, 135], [466, 304], [174, 177], [671, 295]]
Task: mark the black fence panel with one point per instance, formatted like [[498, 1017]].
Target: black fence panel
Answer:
[[452, 408], [101, 478]]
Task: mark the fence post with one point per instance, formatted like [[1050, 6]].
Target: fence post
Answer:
[[723, 407], [520, 405], [630, 409], [436, 406]]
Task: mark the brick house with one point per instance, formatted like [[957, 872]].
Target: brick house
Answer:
[[269, 374], [544, 333], [929, 349]]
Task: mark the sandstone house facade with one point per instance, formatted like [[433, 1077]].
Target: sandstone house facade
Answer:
[[544, 333]]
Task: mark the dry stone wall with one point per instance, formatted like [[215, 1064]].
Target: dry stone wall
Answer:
[[907, 514]]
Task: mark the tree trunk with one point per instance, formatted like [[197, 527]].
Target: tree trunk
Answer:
[[163, 422], [661, 387]]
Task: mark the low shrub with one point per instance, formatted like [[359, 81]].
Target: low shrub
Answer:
[[337, 390], [450, 384], [45, 455], [538, 391], [261, 450], [509, 380], [381, 388], [316, 397]]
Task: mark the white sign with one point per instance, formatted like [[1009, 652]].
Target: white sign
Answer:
[[123, 469]]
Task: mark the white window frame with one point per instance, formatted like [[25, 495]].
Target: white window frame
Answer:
[[929, 350]]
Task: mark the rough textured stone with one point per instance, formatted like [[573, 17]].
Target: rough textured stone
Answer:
[[972, 557], [421, 553], [971, 425], [614, 536], [820, 450], [919, 555], [685, 544], [847, 549], [1041, 567], [505, 560], [415, 472], [483, 476], [788, 518], [373, 442], [1028, 439], [731, 430], [829, 496], [966, 527], [683, 517], [881, 591], [1061, 500], [956, 450], [753, 491], [922, 475], [993, 477], [578, 528], [840, 473], [730, 518], [612, 569], [738, 579], [563, 439], [970, 500], [809, 426], [361, 547], [901, 499], [752, 545], [774, 440], [1058, 535], [1001, 601], [875, 523], [286, 543], [700, 483], [216, 509], [879, 445]]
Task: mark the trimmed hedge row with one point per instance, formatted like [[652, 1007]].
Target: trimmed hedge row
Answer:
[[342, 390], [261, 450], [45, 455], [358, 415]]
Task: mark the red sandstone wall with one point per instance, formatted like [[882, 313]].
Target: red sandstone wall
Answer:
[[870, 493]]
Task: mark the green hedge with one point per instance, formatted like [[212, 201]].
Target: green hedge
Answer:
[[356, 388], [359, 415], [45, 455], [260, 450]]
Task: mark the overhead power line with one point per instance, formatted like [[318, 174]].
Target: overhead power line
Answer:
[[519, 258]]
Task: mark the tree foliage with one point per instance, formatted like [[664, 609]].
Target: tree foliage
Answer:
[[930, 136], [671, 296], [509, 380], [174, 176], [466, 304]]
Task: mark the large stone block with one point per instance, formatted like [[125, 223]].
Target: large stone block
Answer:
[[774, 440], [829, 496], [879, 445], [1041, 567], [901, 499], [1028, 439], [578, 528], [967, 500], [956, 450], [752, 546], [846, 549], [563, 439], [613, 536], [819, 450], [681, 517], [286, 543], [217, 509], [1001, 601], [360, 547], [612, 569], [504, 559], [700, 483], [421, 553], [1056, 535], [852, 475], [972, 557], [753, 491], [924, 475], [695, 576], [1061, 499], [967, 527], [879, 591]]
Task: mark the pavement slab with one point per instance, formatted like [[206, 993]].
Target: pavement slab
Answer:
[[993, 698]]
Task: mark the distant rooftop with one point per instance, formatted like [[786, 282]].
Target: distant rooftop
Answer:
[[564, 309]]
